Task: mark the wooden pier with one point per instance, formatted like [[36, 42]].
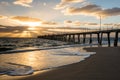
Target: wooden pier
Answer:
[[71, 37]]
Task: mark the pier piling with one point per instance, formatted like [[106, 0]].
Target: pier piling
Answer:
[[84, 38], [116, 40], [90, 38]]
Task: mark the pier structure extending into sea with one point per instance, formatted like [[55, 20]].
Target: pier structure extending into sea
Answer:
[[71, 37]]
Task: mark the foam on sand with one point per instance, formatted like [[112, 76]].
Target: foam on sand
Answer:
[[16, 69]]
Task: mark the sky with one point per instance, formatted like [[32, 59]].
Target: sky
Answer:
[[30, 18]]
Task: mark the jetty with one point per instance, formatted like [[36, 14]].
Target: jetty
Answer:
[[76, 37]]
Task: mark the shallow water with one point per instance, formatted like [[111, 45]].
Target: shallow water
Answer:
[[28, 42], [24, 63]]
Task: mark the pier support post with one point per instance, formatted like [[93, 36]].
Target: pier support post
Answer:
[[56, 38], [101, 37], [90, 38], [59, 37], [108, 36], [116, 40], [84, 38], [62, 36], [73, 37], [69, 39], [78, 38], [65, 37], [53, 37], [98, 37]]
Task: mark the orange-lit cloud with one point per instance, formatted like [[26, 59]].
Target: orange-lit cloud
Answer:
[[25, 19], [91, 23], [67, 21], [112, 24], [49, 23], [118, 25], [28, 21], [79, 23], [108, 24], [20, 31], [92, 10], [2, 17], [25, 3], [85, 10], [12, 29], [65, 3]]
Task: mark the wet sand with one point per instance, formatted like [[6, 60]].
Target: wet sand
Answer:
[[104, 65]]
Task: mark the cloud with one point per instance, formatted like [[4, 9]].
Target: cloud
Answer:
[[92, 10], [112, 24], [110, 12], [77, 23], [3, 17], [48, 23], [74, 23], [25, 19], [108, 24], [118, 24], [67, 22], [3, 3], [92, 23], [65, 3], [85, 10], [12, 28], [25, 3], [80, 23], [71, 1]]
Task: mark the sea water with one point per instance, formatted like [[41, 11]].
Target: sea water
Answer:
[[30, 55], [24, 63]]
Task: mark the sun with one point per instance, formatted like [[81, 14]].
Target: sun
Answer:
[[31, 24]]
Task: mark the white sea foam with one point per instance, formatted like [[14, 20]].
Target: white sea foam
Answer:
[[14, 69], [20, 71]]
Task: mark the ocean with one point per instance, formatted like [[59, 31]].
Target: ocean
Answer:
[[24, 56]]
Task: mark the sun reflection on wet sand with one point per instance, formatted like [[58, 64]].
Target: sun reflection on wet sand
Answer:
[[40, 60]]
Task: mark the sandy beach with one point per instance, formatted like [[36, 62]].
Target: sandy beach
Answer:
[[104, 65]]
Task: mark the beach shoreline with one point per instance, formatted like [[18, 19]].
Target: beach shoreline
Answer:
[[104, 65]]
